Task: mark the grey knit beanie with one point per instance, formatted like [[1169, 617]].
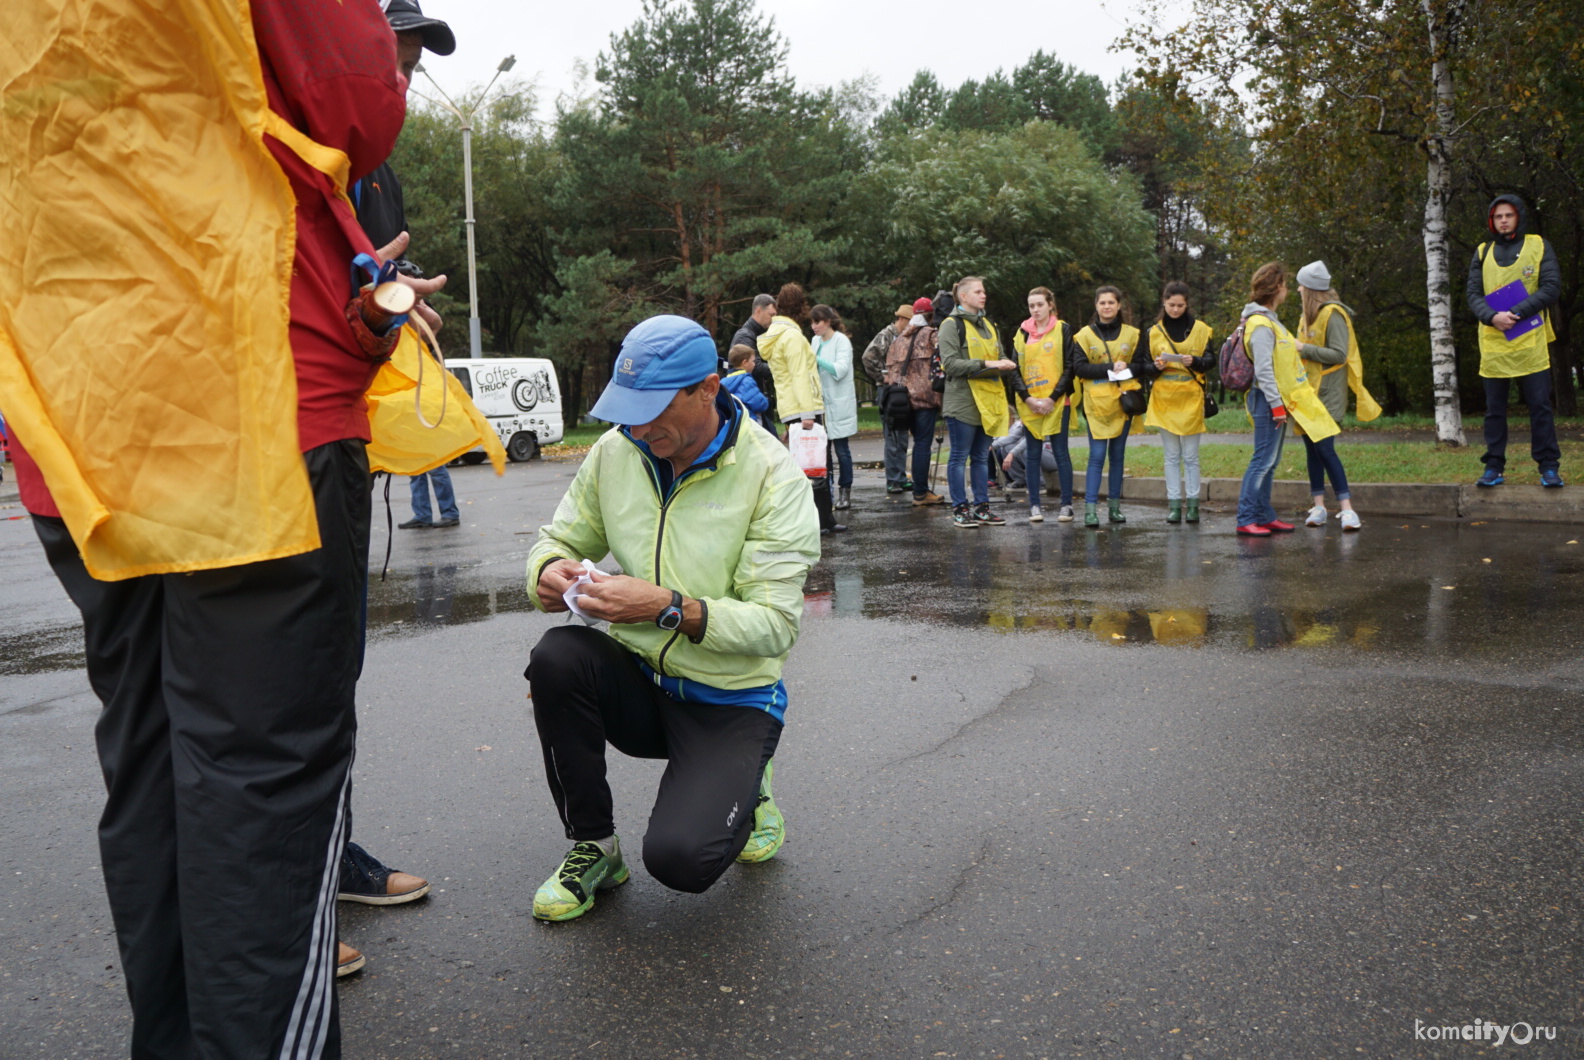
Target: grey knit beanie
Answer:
[[1315, 276]]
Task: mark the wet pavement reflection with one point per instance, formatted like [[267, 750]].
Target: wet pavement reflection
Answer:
[[1395, 585]]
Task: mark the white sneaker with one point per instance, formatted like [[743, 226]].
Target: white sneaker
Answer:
[[1065, 515], [1035, 515], [1349, 519], [1317, 516]]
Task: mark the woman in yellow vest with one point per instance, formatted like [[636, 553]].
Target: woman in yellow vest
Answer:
[[1044, 353], [1330, 353], [1281, 389], [1179, 345], [975, 402], [1102, 350]]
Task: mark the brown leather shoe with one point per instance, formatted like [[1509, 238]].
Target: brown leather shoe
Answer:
[[348, 960], [364, 878], [929, 499]]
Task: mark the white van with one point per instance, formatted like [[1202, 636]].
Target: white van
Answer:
[[519, 395]]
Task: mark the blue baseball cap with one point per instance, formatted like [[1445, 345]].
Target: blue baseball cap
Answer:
[[658, 357]]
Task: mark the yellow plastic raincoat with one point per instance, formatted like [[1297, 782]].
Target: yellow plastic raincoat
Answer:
[[144, 352]]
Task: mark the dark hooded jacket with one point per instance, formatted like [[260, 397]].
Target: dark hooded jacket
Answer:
[[1506, 249]]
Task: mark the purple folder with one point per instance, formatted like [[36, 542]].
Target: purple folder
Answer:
[[1503, 299]]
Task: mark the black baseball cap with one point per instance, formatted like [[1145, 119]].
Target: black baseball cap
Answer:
[[405, 16]]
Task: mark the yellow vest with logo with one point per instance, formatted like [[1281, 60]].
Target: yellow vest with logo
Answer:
[[989, 394], [1041, 364], [1299, 398], [1177, 398], [1102, 399], [1315, 335], [1528, 353]]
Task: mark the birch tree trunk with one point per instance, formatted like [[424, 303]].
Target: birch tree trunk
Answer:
[[1443, 352]]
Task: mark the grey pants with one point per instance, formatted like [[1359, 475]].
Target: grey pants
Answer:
[[1182, 465]]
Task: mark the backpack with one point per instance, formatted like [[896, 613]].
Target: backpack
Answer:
[[1234, 365]]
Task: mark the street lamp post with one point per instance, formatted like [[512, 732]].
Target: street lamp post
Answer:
[[475, 335]]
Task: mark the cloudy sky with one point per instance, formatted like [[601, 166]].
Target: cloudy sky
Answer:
[[830, 40]]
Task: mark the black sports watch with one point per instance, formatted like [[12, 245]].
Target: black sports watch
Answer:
[[670, 616]]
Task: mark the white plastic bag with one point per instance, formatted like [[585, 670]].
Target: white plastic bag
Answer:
[[808, 448]]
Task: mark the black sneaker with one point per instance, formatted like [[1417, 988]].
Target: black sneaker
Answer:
[[364, 878], [982, 514], [963, 519], [415, 524]]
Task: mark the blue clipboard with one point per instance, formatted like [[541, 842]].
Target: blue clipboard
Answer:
[[1503, 299]]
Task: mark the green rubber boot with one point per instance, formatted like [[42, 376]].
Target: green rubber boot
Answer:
[[1193, 510], [1090, 518], [1116, 511], [1174, 511]]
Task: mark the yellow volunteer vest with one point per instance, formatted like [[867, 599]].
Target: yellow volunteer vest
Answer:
[[420, 417], [989, 394], [1315, 335], [1102, 400], [1177, 396], [145, 273], [1529, 353], [1041, 364], [1299, 398]]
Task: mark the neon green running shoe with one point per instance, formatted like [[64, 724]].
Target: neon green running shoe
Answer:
[[769, 826], [569, 893]]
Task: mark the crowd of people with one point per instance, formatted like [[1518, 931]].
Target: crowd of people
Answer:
[[942, 358], [226, 643]]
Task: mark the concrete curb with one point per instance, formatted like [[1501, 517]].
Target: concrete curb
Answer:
[[1530, 504]]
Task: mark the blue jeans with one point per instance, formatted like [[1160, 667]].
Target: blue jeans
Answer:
[[443, 494], [843, 462], [1254, 499], [968, 440], [923, 430], [1059, 450], [1323, 461], [1099, 450], [1535, 390]]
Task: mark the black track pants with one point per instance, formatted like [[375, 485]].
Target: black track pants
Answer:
[[587, 690], [226, 743]]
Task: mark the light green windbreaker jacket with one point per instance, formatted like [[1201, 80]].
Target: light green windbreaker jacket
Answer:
[[740, 535]]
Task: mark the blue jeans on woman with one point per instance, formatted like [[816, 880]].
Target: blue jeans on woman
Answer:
[[1323, 461], [843, 462], [1064, 470], [968, 442], [1099, 450], [1254, 499]]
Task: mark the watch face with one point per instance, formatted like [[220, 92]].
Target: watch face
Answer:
[[670, 619]]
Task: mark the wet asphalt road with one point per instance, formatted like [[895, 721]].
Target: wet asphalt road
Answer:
[[1149, 791]]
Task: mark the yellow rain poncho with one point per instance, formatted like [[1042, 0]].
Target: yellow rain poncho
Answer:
[[409, 438], [144, 352]]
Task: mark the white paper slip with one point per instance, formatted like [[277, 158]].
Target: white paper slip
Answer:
[[575, 590], [1117, 377]]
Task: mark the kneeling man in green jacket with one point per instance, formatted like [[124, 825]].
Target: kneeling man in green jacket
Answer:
[[714, 527]]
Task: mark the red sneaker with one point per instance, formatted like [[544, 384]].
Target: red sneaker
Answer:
[[1252, 530], [1276, 526]]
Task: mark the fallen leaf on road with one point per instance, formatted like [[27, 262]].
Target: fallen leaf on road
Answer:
[[485, 747], [1449, 586]]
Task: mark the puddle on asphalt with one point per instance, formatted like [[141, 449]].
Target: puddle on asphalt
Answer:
[[1437, 589], [42, 651]]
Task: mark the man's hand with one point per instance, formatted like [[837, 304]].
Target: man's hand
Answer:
[[1503, 321], [624, 599], [1006, 464], [554, 581], [422, 288], [1119, 366], [1003, 365], [808, 424]]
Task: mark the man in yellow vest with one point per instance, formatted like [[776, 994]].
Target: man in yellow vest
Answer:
[[1513, 282]]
